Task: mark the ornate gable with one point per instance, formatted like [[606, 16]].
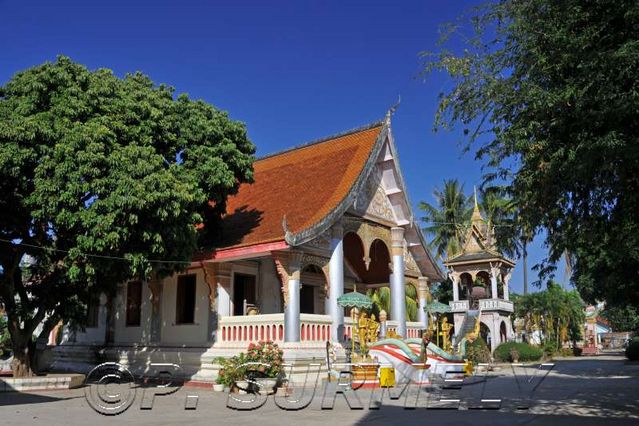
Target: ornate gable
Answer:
[[375, 204]]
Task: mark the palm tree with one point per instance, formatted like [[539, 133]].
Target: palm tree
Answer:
[[448, 219], [512, 235], [381, 298]]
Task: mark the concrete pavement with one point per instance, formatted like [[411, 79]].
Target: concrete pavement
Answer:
[[580, 391]]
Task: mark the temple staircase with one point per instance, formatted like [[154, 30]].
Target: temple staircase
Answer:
[[469, 325]]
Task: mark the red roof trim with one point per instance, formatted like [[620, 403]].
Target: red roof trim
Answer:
[[246, 251]]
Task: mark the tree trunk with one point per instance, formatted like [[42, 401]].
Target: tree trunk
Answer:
[[525, 255], [22, 357]]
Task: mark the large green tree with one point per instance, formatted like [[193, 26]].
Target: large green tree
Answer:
[[622, 318], [102, 178], [547, 94], [557, 313]]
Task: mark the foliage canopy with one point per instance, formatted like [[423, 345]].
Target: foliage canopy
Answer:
[[103, 178], [547, 94]]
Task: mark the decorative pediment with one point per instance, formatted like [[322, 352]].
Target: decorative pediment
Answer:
[[376, 203], [475, 241], [409, 260]]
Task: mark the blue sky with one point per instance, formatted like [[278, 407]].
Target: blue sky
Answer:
[[293, 71]]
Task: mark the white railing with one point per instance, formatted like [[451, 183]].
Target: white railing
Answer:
[[459, 306], [239, 331], [496, 304], [484, 305], [413, 329], [315, 330]]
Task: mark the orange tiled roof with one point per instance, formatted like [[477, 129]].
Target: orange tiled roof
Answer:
[[302, 184]]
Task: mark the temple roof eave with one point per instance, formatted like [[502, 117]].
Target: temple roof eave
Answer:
[[464, 259]]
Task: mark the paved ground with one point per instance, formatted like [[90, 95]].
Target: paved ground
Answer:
[[586, 391]]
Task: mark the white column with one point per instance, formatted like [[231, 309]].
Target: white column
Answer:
[[506, 284], [223, 299], [422, 294], [398, 289], [292, 309], [455, 279], [493, 282], [336, 284], [493, 287]]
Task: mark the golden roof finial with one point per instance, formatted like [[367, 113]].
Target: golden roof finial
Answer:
[[476, 213]]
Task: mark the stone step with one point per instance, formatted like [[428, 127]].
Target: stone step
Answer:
[[49, 382]]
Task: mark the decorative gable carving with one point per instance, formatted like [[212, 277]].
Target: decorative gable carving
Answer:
[[475, 241], [376, 203], [409, 260]]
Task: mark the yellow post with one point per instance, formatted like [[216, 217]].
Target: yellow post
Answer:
[[386, 377]]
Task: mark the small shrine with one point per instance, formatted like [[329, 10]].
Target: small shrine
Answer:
[[480, 276]]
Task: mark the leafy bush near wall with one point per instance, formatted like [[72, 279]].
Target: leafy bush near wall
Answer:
[[477, 351], [632, 351], [526, 352]]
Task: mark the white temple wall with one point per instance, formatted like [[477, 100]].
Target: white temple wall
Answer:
[[178, 334], [131, 334], [95, 334]]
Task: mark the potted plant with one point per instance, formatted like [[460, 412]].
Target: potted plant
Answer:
[[267, 358], [232, 373], [220, 380]]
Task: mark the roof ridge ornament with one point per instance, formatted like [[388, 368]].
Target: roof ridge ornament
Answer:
[[393, 108], [477, 217], [287, 232]]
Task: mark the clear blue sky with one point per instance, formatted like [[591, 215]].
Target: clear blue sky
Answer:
[[293, 71]]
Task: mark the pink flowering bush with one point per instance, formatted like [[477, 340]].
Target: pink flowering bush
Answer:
[[266, 352]]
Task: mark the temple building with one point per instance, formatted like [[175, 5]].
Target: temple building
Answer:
[[480, 276], [319, 220]]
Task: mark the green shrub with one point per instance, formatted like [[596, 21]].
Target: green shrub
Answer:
[[550, 347], [632, 351], [527, 352], [477, 351]]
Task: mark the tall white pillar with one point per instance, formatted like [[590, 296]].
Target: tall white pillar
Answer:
[[455, 279], [223, 299], [292, 299], [422, 294], [336, 284], [494, 271], [493, 287], [506, 284], [398, 289]]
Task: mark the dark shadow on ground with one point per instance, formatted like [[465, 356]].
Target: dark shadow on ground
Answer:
[[22, 398], [399, 415]]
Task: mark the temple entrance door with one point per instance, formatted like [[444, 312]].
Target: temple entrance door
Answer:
[[307, 299], [243, 288]]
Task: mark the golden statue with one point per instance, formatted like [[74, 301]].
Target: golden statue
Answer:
[[445, 334], [373, 330], [392, 334], [362, 329]]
